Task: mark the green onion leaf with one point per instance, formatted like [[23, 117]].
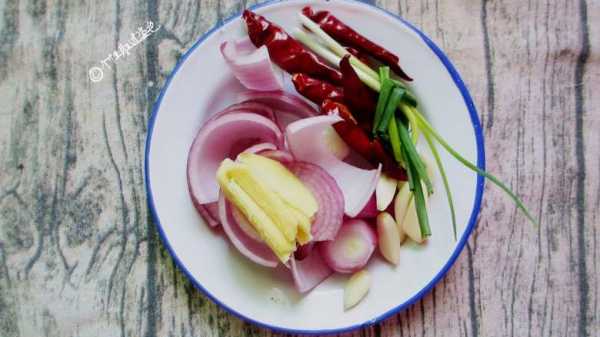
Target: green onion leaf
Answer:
[[440, 166], [390, 108], [417, 191], [409, 97], [395, 140], [414, 132], [413, 157], [413, 124], [384, 73], [409, 171], [426, 127], [384, 94], [421, 208]]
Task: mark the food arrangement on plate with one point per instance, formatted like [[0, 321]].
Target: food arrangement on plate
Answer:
[[316, 167]]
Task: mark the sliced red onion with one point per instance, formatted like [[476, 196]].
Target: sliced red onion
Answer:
[[207, 214], [285, 118], [305, 140], [261, 147], [251, 107], [330, 215], [215, 142], [252, 67], [241, 146], [309, 272], [255, 251], [336, 144], [287, 107], [303, 251], [351, 249], [281, 156], [282, 273], [213, 209], [370, 209]]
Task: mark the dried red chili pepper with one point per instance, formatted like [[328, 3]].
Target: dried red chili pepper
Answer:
[[349, 37], [316, 90], [370, 149], [329, 107], [285, 51], [359, 98]]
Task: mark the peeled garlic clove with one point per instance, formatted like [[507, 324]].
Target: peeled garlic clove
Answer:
[[385, 191], [401, 233], [410, 224], [356, 288], [400, 207], [389, 238]]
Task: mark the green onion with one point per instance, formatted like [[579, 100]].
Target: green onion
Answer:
[[334, 45], [409, 97], [413, 123], [384, 94], [417, 191], [395, 140], [429, 129], [403, 148], [390, 108], [368, 78], [314, 45], [440, 166], [384, 73], [414, 132], [421, 208], [409, 172], [413, 157]]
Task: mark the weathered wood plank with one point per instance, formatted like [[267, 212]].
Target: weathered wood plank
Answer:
[[538, 289], [585, 81], [79, 255], [73, 204]]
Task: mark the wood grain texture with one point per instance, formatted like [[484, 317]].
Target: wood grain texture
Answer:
[[80, 256]]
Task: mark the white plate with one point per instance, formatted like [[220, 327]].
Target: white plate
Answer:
[[201, 84]]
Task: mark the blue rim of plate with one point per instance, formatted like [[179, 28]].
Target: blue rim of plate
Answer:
[[461, 243]]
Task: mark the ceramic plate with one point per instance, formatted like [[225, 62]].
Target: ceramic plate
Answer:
[[201, 84]]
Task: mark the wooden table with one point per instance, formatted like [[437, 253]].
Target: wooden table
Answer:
[[79, 255]]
